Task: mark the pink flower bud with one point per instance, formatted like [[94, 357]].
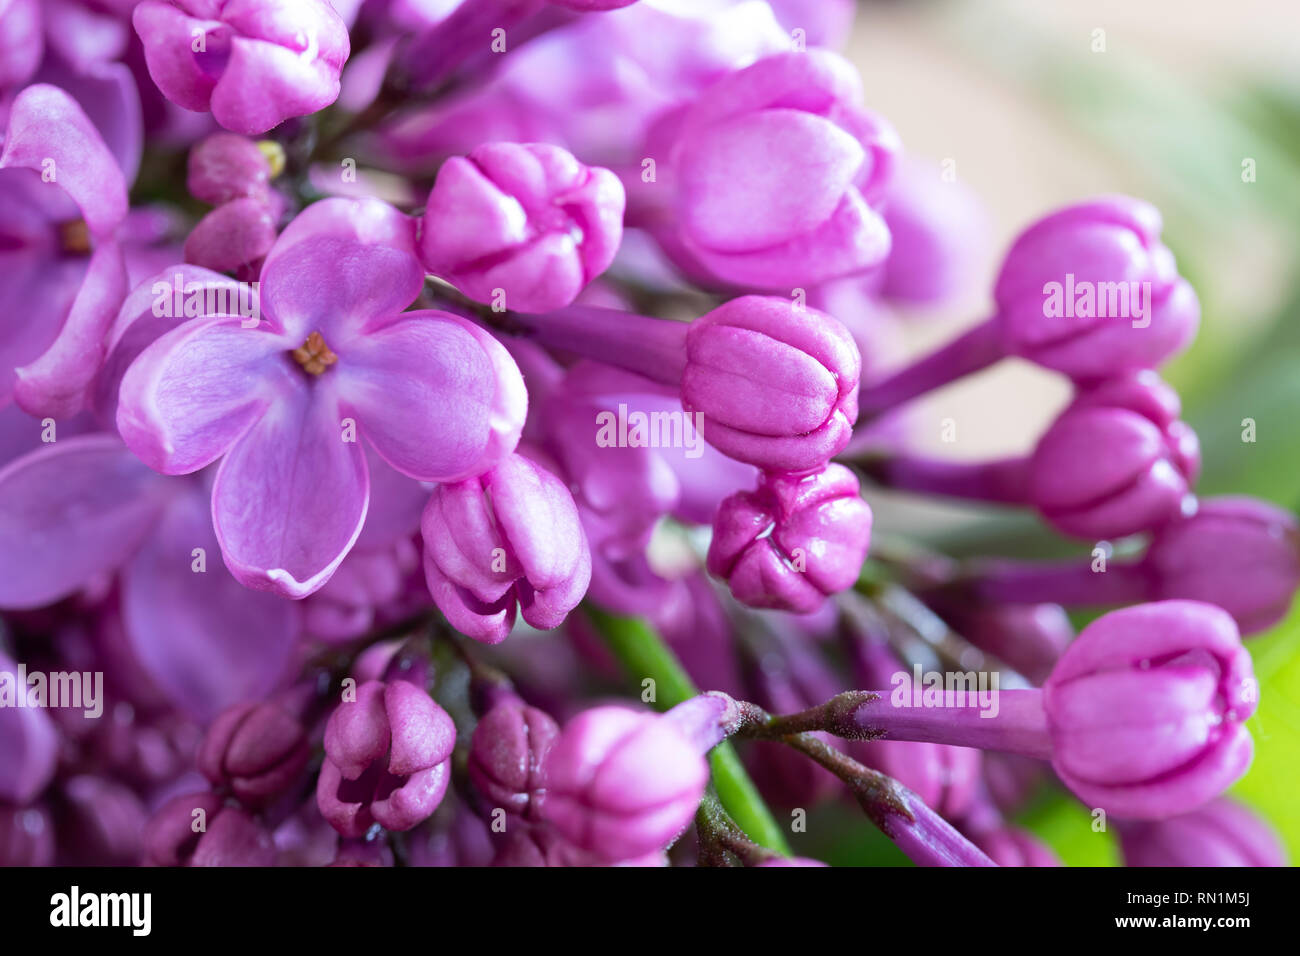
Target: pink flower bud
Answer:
[[1117, 461], [258, 750], [253, 63], [507, 753], [1237, 552], [387, 759], [622, 783], [523, 220], [197, 829], [1091, 291], [225, 166], [793, 540], [1146, 709], [1221, 833], [776, 169], [777, 383], [509, 537]]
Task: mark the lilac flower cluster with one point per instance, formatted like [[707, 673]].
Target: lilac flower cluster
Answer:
[[385, 387]]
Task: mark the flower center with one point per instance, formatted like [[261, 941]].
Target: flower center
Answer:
[[314, 355], [74, 237]]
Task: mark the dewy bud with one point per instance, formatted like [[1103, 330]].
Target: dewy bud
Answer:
[[777, 384], [256, 749], [1117, 461], [1091, 291], [509, 537], [793, 540], [507, 753], [777, 168], [1146, 709], [387, 759], [526, 219]]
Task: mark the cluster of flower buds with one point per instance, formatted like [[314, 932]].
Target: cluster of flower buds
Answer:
[[338, 343]]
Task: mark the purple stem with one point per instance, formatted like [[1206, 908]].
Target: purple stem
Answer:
[[438, 52], [929, 840], [971, 351], [925, 837], [655, 348], [1002, 481], [1014, 721], [1071, 583]]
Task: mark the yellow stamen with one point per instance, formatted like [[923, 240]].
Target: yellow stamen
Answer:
[[74, 236], [314, 355]]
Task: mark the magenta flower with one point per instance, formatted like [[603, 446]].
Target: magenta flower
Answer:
[[63, 273], [230, 836], [1116, 462], [253, 63], [258, 750], [1221, 833], [776, 169], [1088, 291], [284, 399], [793, 540], [79, 509], [1091, 291], [29, 742], [224, 167], [768, 381], [623, 783], [507, 755], [522, 225], [1237, 552], [777, 385], [387, 759], [233, 174], [1143, 716], [510, 537], [593, 86], [1147, 709]]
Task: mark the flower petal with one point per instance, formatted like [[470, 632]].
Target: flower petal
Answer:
[[265, 84], [205, 641], [69, 511], [291, 497], [438, 398], [49, 133], [190, 394], [339, 265], [57, 383]]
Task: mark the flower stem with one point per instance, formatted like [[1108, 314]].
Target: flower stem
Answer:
[[970, 352], [642, 653]]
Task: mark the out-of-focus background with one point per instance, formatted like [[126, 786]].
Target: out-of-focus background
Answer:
[[1195, 107]]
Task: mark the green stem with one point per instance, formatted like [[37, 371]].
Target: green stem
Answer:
[[642, 653]]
